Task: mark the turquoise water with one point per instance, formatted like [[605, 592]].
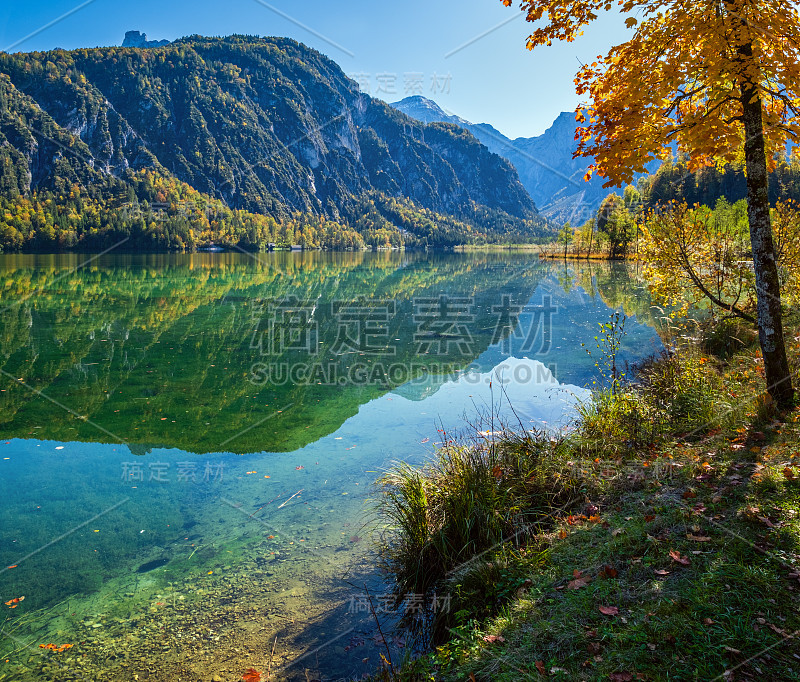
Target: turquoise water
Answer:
[[188, 443]]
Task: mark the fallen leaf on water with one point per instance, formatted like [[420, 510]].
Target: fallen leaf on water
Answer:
[[676, 556], [608, 610], [300, 467], [424, 440], [251, 675], [54, 647]]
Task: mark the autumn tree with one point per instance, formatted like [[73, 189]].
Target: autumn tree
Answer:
[[615, 224], [719, 78]]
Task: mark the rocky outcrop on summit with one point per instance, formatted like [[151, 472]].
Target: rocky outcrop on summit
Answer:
[[136, 39]]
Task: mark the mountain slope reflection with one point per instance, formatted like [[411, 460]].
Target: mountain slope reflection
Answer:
[[229, 352]]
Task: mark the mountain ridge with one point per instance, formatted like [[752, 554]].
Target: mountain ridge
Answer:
[[544, 162], [265, 125]]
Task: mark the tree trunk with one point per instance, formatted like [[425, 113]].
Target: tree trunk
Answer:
[[768, 291], [591, 237]]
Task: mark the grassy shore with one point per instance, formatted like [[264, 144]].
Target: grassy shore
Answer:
[[658, 540]]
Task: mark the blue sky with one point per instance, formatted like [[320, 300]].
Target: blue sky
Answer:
[[446, 51]]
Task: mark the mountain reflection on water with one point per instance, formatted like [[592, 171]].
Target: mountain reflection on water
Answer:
[[188, 443]]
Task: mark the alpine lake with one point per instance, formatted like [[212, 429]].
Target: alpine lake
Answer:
[[189, 444]]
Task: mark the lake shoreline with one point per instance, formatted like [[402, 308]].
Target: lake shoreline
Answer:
[[662, 541]]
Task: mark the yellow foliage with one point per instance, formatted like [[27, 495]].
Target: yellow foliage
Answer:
[[683, 77]]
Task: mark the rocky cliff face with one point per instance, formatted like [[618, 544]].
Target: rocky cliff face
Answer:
[[544, 163], [267, 125], [136, 39]]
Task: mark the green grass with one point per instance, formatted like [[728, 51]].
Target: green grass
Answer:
[[688, 465]]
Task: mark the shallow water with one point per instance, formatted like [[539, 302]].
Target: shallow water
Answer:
[[188, 443]]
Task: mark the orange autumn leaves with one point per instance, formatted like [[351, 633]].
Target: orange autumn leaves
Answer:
[[57, 648], [679, 78], [13, 603], [251, 675]]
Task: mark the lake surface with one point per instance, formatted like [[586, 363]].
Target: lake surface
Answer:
[[189, 443]]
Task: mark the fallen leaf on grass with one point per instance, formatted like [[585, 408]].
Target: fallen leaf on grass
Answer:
[[492, 639], [608, 572], [789, 474], [608, 610], [676, 556], [620, 677], [660, 571], [707, 621], [649, 517], [540, 667], [698, 538], [689, 494]]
